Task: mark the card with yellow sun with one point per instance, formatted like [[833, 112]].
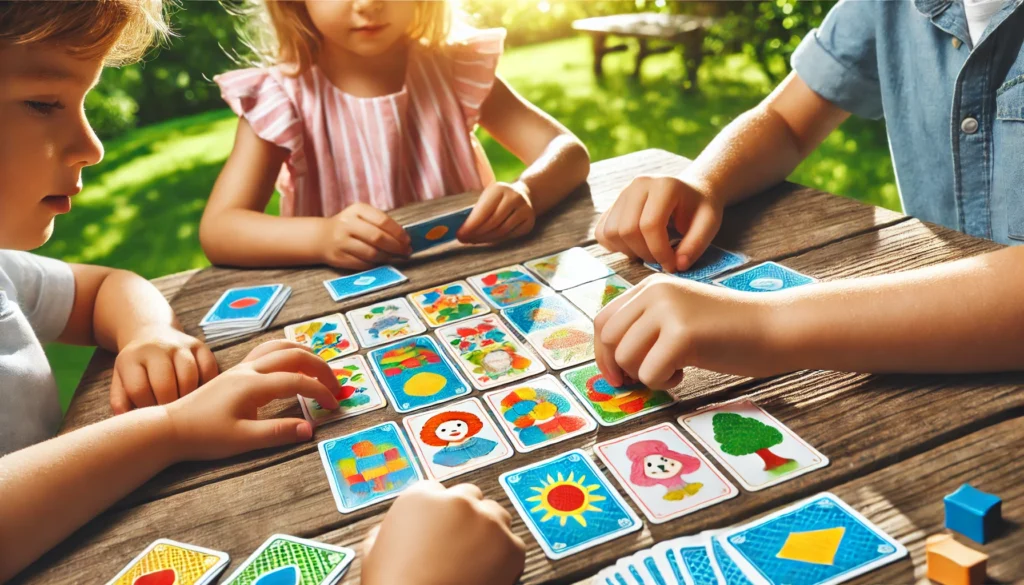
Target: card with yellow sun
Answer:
[[568, 504]]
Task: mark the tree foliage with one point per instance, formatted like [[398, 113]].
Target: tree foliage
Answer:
[[740, 435]]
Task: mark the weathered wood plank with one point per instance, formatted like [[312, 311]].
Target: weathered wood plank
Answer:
[[236, 511]]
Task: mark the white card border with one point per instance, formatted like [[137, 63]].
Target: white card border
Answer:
[[517, 443], [387, 389], [277, 290], [420, 327], [661, 550], [210, 575], [331, 578], [565, 293], [593, 411], [461, 470], [529, 264], [524, 347]]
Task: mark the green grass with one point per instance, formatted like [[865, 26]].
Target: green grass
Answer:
[[141, 206]]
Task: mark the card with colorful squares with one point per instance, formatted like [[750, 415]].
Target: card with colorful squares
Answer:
[[538, 412], [416, 374]]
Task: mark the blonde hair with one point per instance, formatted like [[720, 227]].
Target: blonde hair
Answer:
[[280, 32], [120, 31]]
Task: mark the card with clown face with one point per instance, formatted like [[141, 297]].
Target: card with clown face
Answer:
[[610, 405], [538, 413], [456, 439], [663, 473], [509, 286], [488, 352]]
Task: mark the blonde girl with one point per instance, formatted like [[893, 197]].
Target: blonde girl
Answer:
[[363, 106]]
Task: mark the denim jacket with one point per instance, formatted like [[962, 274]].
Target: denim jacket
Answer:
[[954, 112]]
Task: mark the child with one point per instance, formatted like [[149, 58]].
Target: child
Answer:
[[364, 106], [51, 53], [949, 78]]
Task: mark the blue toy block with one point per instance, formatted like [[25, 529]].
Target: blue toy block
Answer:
[[973, 513]]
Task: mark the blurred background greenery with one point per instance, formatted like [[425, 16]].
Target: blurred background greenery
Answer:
[[167, 132]]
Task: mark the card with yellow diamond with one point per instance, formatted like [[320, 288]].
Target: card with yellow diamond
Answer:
[[820, 541]]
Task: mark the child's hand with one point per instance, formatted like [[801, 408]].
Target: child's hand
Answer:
[[665, 323], [160, 365], [361, 237], [220, 418], [637, 223], [437, 536], [502, 212]]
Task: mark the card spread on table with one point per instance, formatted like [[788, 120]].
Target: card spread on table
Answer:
[[455, 439], [538, 412], [327, 336], [416, 374], [287, 560], [594, 296], [567, 269], [765, 277], [369, 466], [758, 450], [384, 322], [693, 556], [167, 561], [542, 313], [448, 303], [359, 392], [663, 473], [726, 569], [436, 231], [363, 283], [820, 541], [711, 263], [488, 353], [666, 554], [568, 505], [509, 286], [611, 405]]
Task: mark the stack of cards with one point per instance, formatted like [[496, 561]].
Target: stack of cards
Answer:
[[287, 560], [819, 541], [242, 311]]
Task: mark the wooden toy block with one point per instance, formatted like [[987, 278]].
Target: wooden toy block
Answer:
[[973, 513], [951, 563]]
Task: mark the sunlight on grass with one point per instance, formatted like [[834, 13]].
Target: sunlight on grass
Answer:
[[141, 206]]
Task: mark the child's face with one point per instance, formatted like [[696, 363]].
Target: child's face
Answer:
[[45, 140], [365, 27]]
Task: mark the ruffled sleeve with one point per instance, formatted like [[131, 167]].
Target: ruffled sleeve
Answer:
[[473, 58], [259, 95]]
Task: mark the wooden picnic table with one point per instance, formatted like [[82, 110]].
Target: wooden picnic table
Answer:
[[665, 31], [897, 443]]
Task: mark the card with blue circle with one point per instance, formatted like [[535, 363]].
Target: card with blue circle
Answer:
[[436, 231], [242, 304], [361, 283], [568, 505], [712, 262], [765, 277], [416, 374], [819, 541]]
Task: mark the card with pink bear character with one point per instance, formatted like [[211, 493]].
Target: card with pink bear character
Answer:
[[664, 473]]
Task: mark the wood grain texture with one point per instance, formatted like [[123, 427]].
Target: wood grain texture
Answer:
[[863, 423]]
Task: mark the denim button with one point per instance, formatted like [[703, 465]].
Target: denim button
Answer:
[[969, 125]]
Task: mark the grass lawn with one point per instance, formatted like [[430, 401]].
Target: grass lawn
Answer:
[[141, 206]]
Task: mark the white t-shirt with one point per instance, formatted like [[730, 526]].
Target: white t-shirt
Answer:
[[979, 14], [36, 297]]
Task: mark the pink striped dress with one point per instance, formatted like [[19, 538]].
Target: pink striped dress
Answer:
[[385, 151]]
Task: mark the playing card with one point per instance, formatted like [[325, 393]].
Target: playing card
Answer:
[[383, 322], [567, 269], [509, 286], [565, 345], [362, 283], [711, 263], [538, 412], [448, 303], [758, 450], [568, 505], [663, 473], [650, 570], [359, 393], [327, 336], [246, 305], [436, 231], [666, 554], [369, 466], [819, 541], [726, 569], [629, 571], [609, 576], [456, 439], [765, 277], [167, 561], [416, 374], [488, 353], [543, 313], [287, 560], [693, 554], [594, 296], [611, 405]]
